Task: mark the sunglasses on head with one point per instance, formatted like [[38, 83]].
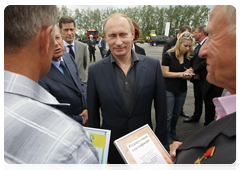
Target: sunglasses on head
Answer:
[[186, 34]]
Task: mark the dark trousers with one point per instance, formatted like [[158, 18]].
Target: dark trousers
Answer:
[[92, 54], [198, 99], [213, 92], [101, 49]]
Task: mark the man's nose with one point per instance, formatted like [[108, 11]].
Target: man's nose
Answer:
[[203, 50], [56, 42], [118, 40]]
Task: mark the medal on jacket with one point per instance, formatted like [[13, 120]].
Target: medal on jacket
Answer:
[[207, 155]]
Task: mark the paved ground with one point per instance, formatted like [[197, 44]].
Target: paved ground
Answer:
[[184, 130]]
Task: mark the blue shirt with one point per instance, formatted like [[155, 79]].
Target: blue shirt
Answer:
[[57, 64]]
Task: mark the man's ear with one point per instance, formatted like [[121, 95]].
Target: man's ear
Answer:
[[45, 39], [133, 34]]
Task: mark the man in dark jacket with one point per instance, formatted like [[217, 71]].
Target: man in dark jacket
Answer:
[[91, 47]]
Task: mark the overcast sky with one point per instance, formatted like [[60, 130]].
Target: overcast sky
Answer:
[[73, 7]]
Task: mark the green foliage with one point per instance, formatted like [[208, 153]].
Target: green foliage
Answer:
[[147, 17]]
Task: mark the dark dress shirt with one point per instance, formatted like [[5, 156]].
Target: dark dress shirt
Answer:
[[126, 84]]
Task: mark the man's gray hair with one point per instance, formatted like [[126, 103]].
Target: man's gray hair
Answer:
[[229, 13], [118, 15], [22, 23], [203, 28]]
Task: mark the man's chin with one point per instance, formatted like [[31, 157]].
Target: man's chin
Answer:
[[120, 54], [57, 57], [69, 41]]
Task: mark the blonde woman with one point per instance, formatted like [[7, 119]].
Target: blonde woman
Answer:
[[176, 68]]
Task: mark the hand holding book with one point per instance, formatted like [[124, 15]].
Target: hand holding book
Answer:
[[142, 147]]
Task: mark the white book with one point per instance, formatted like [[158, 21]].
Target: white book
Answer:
[[142, 147]]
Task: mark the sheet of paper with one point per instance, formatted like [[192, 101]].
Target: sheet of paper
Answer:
[[145, 152], [100, 138]]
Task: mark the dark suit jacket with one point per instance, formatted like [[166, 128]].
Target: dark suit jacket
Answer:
[[90, 43], [199, 66], [169, 44], [138, 50], [221, 134], [103, 92], [64, 90]]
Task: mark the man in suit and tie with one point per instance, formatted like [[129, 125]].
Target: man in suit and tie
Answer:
[[101, 44], [203, 90], [171, 43], [91, 47], [76, 48], [124, 85], [64, 83], [199, 67]]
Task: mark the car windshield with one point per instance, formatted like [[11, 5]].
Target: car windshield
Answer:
[[93, 33]]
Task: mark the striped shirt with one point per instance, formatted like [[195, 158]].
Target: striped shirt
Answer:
[[35, 132]]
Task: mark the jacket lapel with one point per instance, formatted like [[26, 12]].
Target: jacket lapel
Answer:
[[56, 75], [110, 78], [141, 68], [69, 63], [78, 48]]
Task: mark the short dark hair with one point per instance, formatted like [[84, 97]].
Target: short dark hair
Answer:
[[203, 28], [185, 27], [66, 19]]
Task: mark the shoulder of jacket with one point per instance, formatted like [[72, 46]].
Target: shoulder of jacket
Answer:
[[80, 43]]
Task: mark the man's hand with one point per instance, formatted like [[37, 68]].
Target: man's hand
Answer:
[[196, 76], [85, 116], [173, 148]]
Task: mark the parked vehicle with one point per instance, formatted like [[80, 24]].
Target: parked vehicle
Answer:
[[155, 40], [150, 33], [94, 33], [139, 40]]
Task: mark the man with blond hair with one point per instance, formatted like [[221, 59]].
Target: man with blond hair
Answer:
[[124, 85]]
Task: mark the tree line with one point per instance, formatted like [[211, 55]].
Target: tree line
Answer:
[[147, 17]]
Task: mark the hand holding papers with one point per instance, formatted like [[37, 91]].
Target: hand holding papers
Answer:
[[142, 147]]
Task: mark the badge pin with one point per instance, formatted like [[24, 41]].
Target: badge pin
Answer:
[[207, 155]]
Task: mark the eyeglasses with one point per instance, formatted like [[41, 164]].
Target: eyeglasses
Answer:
[[186, 34]]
